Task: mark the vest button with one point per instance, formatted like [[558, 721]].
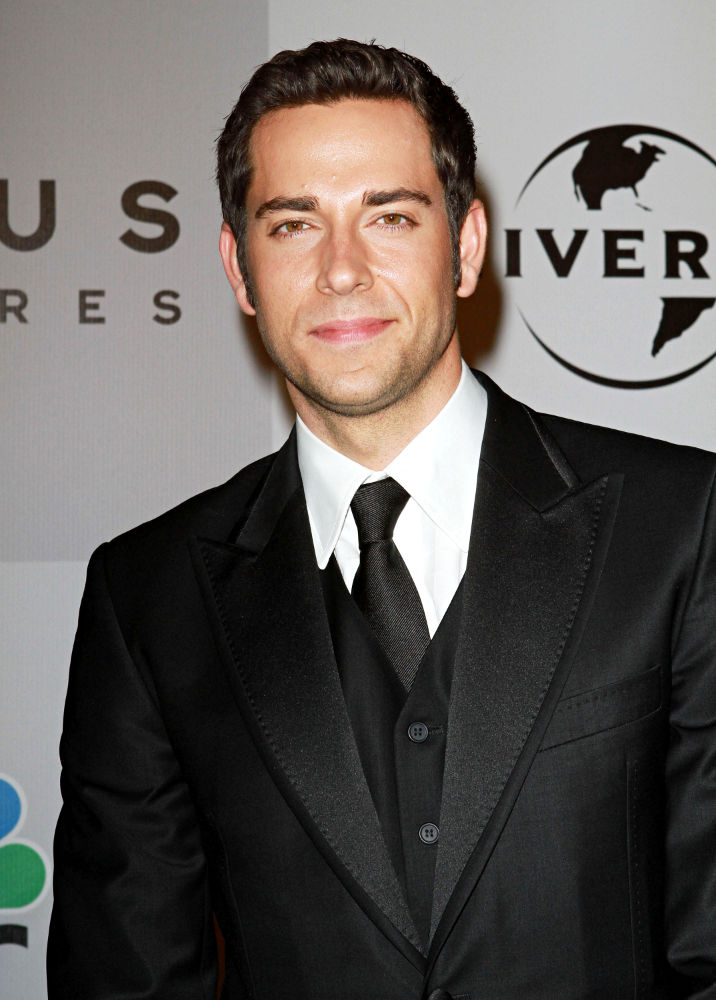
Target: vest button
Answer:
[[428, 833], [417, 732]]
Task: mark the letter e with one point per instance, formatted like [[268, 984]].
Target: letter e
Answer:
[[87, 306]]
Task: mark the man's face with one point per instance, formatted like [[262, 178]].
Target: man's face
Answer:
[[349, 253]]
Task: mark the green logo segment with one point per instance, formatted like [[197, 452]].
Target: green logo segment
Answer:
[[22, 869]]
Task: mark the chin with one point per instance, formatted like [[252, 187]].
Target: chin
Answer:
[[358, 398], [351, 404]]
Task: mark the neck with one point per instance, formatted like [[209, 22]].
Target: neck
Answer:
[[374, 439]]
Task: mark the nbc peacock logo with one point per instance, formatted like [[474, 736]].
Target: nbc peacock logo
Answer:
[[24, 867]]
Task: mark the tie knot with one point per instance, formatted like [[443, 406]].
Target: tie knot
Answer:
[[376, 508]]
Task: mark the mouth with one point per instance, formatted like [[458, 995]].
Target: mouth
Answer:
[[350, 331]]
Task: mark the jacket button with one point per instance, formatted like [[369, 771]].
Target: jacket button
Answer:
[[417, 732], [440, 995], [428, 833]]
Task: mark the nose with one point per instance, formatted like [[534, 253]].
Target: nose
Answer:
[[344, 266]]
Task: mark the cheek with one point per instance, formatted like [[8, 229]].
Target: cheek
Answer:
[[423, 286], [275, 289], [282, 283], [424, 264]]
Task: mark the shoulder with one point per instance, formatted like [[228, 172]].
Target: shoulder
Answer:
[[666, 490], [155, 554], [593, 450], [214, 512], [660, 483]]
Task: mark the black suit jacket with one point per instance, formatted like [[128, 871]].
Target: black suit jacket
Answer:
[[209, 765]]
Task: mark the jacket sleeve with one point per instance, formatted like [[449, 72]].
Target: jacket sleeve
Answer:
[[691, 784], [131, 915]]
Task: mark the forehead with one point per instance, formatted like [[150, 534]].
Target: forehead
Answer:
[[368, 142]]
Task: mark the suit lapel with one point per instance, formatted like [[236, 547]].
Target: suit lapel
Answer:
[[538, 541], [265, 600]]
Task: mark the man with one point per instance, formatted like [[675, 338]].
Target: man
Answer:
[[424, 705]]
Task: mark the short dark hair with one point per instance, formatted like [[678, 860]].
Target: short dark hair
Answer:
[[327, 72]]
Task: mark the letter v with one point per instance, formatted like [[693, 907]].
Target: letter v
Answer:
[[561, 263]]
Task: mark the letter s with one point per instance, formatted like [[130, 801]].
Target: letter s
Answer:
[[155, 216]]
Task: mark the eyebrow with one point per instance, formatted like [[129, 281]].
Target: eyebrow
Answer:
[[373, 199], [286, 205], [377, 198]]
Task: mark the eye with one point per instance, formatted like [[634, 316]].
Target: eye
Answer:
[[290, 228], [395, 220]]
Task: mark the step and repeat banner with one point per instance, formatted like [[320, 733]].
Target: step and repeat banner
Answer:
[[596, 145], [128, 379]]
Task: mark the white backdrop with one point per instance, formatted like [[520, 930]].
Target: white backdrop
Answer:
[[105, 424], [533, 75]]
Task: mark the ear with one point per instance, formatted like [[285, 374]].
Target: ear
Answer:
[[227, 249], [473, 237]]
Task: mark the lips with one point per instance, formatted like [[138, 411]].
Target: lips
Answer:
[[350, 331]]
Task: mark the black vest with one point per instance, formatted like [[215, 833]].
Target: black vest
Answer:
[[400, 736]]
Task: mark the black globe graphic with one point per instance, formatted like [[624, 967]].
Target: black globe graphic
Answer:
[[607, 163]]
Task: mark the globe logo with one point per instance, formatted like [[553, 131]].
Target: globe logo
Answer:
[[608, 256], [23, 868]]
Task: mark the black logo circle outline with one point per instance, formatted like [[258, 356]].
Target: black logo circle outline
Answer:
[[623, 132]]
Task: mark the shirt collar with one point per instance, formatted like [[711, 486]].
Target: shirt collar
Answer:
[[438, 468]]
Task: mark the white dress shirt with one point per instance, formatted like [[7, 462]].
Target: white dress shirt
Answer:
[[438, 468]]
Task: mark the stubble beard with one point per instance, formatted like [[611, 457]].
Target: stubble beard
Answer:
[[409, 373]]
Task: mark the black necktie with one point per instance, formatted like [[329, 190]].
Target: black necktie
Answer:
[[383, 587]]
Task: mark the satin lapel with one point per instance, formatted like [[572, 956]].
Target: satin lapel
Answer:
[[265, 600], [536, 549]]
